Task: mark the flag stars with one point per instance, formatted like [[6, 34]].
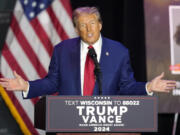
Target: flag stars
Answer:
[[25, 2], [31, 15], [41, 6], [34, 4], [107, 53], [33, 7]]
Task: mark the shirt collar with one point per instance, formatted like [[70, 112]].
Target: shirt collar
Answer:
[[97, 45]]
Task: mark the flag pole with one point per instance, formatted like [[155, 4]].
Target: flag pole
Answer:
[[176, 115]]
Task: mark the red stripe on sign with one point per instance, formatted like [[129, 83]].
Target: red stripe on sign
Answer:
[[27, 48], [174, 67], [58, 27]]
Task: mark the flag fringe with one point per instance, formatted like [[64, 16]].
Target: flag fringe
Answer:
[[14, 112]]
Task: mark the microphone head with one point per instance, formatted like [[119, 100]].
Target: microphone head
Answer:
[[92, 53]]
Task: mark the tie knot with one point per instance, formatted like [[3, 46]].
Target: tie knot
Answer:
[[90, 47]]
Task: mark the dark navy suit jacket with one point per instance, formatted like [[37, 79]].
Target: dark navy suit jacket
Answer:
[[64, 71]]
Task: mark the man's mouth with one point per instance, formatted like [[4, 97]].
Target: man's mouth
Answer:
[[90, 35]]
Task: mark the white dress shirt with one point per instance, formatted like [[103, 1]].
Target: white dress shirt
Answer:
[[83, 53]]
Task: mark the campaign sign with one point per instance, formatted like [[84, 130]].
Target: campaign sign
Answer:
[[101, 114]]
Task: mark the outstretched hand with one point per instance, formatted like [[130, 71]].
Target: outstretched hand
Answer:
[[160, 85], [14, 84]]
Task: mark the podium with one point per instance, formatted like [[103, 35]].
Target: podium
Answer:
[[66, 115]]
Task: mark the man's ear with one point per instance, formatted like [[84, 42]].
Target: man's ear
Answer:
[[100, 26]]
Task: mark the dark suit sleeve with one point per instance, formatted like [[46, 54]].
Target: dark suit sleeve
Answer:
[[127, 83], [50, 83]]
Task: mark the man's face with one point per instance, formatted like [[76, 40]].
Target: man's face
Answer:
[[88, 27]]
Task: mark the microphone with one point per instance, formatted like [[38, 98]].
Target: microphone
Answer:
[[97, 70], [93, 55]]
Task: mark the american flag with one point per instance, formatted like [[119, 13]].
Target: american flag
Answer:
[[36, 26]]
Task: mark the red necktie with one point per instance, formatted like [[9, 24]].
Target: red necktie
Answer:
[[89, 78]]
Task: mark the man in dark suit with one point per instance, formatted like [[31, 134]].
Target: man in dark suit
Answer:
[[67, 71]]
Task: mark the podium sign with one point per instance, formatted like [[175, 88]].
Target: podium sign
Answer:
[[101, 114]]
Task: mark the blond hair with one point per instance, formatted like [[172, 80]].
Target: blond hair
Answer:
[[85, 10]]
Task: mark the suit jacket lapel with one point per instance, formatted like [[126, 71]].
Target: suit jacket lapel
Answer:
[[103, 64], [105, 52]]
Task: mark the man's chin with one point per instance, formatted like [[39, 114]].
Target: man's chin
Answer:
[[90, 42]]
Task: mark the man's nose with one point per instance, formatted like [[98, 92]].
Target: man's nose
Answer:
[[88, 27]]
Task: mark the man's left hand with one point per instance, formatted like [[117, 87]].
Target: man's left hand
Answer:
[[160, 85]]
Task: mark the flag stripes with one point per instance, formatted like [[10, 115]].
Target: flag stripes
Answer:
[[28, 49], [56, 24], [42, 35]]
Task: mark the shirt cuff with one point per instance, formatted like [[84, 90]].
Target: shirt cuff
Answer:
[[149, 93], [25, 93]]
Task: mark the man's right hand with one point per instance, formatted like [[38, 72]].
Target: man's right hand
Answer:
[[14, 84]]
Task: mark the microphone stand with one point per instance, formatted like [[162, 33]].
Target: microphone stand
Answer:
[[97, 70], [98, 74]]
